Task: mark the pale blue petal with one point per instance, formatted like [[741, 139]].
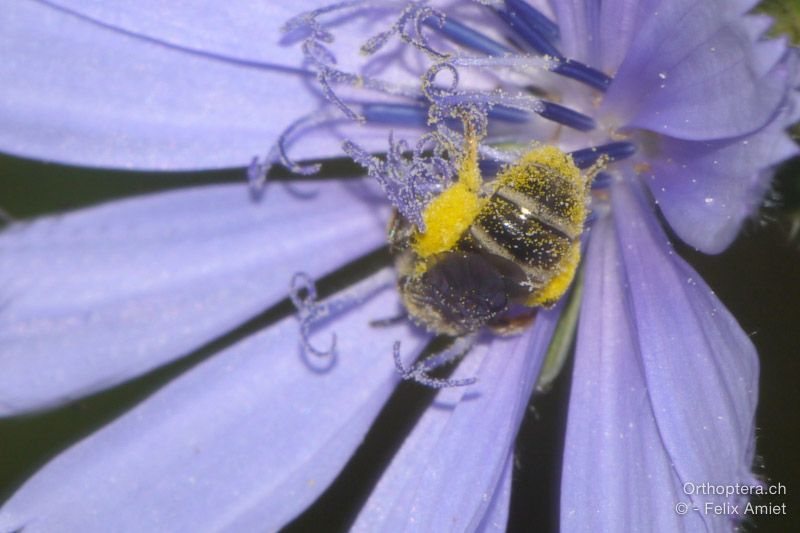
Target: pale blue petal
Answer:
[[706, 190], [95, 297], [664, 388], [698, 367], [82, 92], [616, 475], [496, 517], [451, 465], [694, 353], [238, 30], [619, 22], [243, 442], [677, 77], [574, 26], [600, 33]]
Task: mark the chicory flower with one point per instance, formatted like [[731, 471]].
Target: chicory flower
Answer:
[[685, 100]]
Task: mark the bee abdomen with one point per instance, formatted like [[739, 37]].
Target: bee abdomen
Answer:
[[527, 234], [555, 211]]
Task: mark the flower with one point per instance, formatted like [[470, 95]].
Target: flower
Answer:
[[684, 98]]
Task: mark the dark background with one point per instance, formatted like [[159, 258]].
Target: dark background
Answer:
[[758, 278]]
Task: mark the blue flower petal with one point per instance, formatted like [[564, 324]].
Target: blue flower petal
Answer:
[[700, 366], [618, 23], [687, 55], [496, 517], [165, 98], [95, 297], [243, 442], [616, 474], [239, 30], [451, 465], [577, 24], [665, 387], [707, 189]]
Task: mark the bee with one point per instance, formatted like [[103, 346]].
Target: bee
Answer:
[[491, 248]]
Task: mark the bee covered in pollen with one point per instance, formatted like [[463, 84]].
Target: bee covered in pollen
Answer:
[[488, 248]]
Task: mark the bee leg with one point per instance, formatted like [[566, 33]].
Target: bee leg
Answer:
[[592, 172], [512, 325], [419, 371], [398, 232], [389, 321]]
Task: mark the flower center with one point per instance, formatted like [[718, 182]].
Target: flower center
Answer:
[[491, 200]]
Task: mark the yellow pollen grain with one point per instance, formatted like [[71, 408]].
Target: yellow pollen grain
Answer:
[[557, 286], [451, 213], [519, 176], [547, 156]]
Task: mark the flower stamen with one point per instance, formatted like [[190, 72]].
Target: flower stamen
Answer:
[[310, 311], [419, 371], [416, 13], [258, 169], [410, 181], [467, 37], [531, 34], [554, 60], [303, 294], [615, 151], [446, 99]]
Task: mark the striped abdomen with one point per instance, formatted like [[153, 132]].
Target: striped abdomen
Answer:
[[535, 219]]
